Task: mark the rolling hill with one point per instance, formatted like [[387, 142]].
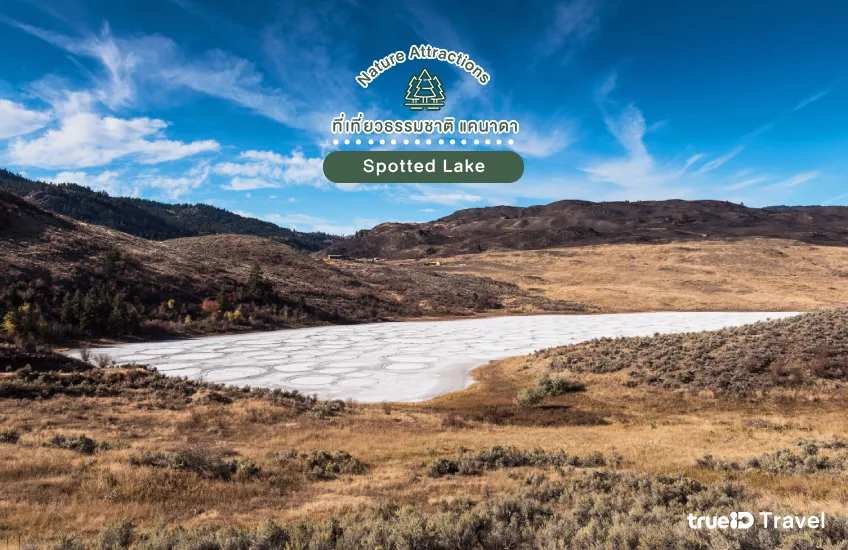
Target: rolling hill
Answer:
[[576, 223], [150, 219], [86, 280]]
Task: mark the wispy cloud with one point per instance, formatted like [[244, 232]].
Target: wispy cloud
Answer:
[[17, 120], [746, 183], [572, 24], [108, 180], [115, 86], [307, 222], [693, 160], [449, 199], [531, 143], [157, 64], [174, 187], [796, 180], [812, 99], [267, 169], [637, 170], [84, 138], [835, 199], [720, 161]]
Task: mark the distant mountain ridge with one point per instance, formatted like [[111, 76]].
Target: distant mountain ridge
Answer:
[[151, 219], [573, 223]]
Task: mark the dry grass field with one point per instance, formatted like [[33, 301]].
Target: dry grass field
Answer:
[[754, 274], [50, 489]]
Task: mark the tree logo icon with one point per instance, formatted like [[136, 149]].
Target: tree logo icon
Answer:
[[424, 92]]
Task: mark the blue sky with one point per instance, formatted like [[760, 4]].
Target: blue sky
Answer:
[[230, 102]]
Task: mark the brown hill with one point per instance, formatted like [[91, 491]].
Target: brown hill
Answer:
[[151, 219], [571, 223], [745, 274], [87, 280]]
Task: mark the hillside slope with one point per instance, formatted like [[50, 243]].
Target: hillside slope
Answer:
[[744, 274], [88, 280], [150, 219], [571, 223]]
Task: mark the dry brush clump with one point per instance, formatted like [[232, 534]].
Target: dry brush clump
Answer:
[[10, 436], [78, 443], [497, 457], [807, 460], [204, 462], [795, 352], [598, 510], [547, 386], [321, 465]]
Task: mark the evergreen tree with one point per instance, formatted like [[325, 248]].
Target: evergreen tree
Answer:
[[117, 317], [257, 287], [223, 300], [88, 315], [76, 305], [14, 298], [67, 314], [133, 321]]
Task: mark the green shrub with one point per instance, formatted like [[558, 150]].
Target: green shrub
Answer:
[[553, 386], [529, 397], [547, 387]]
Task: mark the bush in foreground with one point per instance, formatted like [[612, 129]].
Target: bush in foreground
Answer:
[[599, 510], [205, 463], [497, 457], [321, 465]]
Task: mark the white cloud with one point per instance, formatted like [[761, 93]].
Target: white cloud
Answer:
[[692, 160], [105, 181], [718, 162], [428, 210], [449, 199], [175, 187], [812, 99], [573, 23], [17, 120], [156, 65], [532, 144], [797, 179], [115, 87], [636, 170], [746, 183], [84, 138], [637, 174], [307, 222], [248, 184], [232, 78], [607, 86], [835, 199], [267, 169]]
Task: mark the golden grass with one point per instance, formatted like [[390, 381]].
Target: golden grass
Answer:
[[754, 274], [46, 492]]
